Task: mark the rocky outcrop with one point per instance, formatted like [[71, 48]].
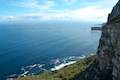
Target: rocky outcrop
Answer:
[[107, 63], [108, 54]]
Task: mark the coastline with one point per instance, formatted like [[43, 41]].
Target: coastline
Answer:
[[58, 64], [62, 65], [78, 66]]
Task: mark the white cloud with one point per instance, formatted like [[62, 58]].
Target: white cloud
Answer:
[[95, 12], [90, 13], [7, 18], [34, 4], [92, 10], [105, 3], [69, 1]]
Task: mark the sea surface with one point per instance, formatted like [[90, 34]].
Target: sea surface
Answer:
[[28, 44]]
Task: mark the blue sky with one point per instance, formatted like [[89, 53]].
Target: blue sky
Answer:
[[37, 10]]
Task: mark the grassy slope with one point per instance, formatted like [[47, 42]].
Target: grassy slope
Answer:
[[66, 73]]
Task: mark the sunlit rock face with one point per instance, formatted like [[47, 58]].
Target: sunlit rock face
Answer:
[[108, 55]]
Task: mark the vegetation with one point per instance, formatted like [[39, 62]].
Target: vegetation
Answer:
[[66, 73]]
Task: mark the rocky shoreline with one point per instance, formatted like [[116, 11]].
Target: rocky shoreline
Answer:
[[57, 64], [68, 72]]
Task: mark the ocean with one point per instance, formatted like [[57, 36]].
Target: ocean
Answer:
[[41, 43]]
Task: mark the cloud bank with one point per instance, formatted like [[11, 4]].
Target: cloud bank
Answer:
[[51, 10]]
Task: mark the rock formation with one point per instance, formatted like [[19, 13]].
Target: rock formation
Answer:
[[107, 64], [108, 54]]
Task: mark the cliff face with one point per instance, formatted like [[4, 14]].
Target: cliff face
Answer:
[[108, 54], [107, 63]]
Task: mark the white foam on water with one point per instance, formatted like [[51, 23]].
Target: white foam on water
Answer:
[[62, 65], [82, 57], [24, 74]]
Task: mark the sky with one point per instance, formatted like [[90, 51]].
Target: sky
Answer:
[[52, 10]]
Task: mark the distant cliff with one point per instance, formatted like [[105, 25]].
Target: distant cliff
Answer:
[[96, 28]]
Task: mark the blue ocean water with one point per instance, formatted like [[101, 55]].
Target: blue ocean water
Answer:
[[26, 44]]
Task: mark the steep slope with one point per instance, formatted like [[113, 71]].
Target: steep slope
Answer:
[[108, 55], [107, 64]]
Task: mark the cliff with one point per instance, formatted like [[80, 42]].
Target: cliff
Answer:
[[107, 64], [108, 54]]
